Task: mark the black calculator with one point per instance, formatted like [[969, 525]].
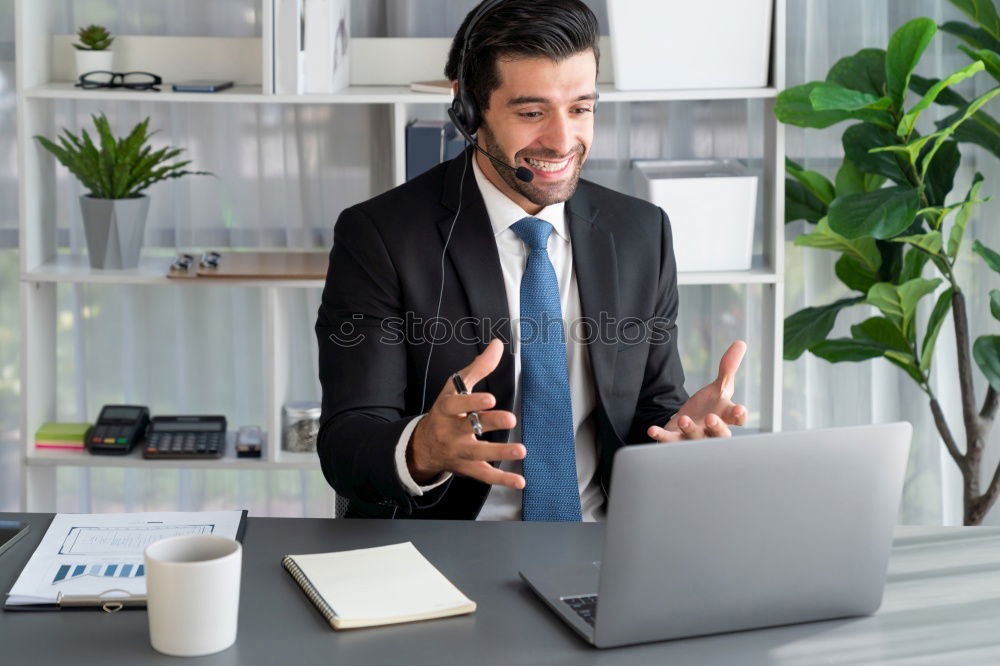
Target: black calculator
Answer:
[[185, 437]]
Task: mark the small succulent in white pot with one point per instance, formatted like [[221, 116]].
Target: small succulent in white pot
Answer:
[[93, 53]]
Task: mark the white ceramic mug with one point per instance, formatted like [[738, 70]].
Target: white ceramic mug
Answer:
[[193, 593]]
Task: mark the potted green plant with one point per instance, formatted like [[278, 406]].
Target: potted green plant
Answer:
[[93, 53], [889, 216], [115, 173]]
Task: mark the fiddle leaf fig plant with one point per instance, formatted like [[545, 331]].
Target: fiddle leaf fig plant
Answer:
[[116, 168], [890, 214]]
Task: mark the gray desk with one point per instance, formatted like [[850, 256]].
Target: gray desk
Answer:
[[942, 606]]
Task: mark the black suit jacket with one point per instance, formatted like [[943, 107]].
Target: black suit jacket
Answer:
[[383, 286]]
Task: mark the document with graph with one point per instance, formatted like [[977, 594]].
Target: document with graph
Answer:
[[99, 555]]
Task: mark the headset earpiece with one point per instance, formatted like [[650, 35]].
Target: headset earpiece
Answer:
[[466, 110], [464, 105]]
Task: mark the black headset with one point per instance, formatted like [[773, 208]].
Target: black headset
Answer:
[[464, 111]]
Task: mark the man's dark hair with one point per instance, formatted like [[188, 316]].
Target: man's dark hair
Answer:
[[555, 29]]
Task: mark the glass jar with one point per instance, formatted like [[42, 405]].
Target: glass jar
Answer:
[[299, 426]]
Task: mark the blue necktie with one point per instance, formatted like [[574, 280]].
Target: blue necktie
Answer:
[[551, 491]]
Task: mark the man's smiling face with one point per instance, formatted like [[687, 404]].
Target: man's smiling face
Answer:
[[541, 117]]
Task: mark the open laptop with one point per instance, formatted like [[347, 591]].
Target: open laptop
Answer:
[[719, 535]]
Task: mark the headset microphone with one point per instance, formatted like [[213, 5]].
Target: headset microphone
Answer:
[[523, 173]]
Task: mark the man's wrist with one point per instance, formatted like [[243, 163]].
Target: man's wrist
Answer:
[[421, 476], [412, 487]]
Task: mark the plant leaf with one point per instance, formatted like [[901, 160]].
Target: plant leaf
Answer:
[[977, 37], [881, 331], [899, 303], [864, 71], [910, 293], [798, 106], [833, 97], [948, 97], [849, 179], [913, 265], [940, 311], [858, 140], [906, 124], [811, 325], [885, 297], [995, 303], [905, 48], [941, 174], [964, 114], [906, 363], [990, 59], [793, 107], [838, 350], [986, 351], [929, 242], [801, 204], [855, 274], [962, 218], [991, 258], [981, 128], [983, 13], [813, 181], [883, 213], [825, 238]]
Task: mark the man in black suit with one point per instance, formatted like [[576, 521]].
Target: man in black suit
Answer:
[[467, 267]]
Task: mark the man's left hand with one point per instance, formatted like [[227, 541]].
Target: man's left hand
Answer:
[[710, 411]]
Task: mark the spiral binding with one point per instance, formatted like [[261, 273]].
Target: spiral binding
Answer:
[[321, 604]]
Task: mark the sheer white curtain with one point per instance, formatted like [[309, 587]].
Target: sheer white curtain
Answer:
[[10, 408], [818, 393], [285, 172]]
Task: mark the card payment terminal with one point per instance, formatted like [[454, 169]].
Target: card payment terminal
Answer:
[[118, 429]]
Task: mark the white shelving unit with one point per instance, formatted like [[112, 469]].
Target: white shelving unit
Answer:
[[43, 268]]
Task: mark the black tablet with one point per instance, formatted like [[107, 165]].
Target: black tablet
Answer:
[[11, 531]]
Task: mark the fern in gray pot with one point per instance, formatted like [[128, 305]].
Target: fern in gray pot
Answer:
[[115, 172]]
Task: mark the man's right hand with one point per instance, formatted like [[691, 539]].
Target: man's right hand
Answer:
[[443, 440]]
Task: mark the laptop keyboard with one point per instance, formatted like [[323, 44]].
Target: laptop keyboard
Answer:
[[585, 606]]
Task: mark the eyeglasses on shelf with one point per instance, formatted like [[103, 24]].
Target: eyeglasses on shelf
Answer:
[[130, 80]]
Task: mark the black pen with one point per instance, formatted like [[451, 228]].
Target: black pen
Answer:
[[473, 415]]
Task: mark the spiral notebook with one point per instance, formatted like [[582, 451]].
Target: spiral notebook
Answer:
[[370, 587]]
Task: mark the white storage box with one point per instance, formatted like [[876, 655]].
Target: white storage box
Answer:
[[711, 205], [685, 44]]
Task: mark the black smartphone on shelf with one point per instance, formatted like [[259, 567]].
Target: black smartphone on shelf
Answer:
[[202, 85]]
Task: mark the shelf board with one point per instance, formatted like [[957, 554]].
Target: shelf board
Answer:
[[609, 93], [134, 460], [361, 95], [152, 271], [759, 273]]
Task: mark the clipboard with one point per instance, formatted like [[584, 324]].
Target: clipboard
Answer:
[[107, 600]]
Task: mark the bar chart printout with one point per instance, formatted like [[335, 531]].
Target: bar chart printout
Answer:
[[101, 554], [116, 570]]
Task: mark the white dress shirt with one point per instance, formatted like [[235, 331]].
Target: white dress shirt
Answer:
[[504, 503]]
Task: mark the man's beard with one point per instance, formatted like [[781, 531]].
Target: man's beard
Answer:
[[540, 196]]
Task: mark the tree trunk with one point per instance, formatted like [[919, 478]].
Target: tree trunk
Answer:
[[976, 504]]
